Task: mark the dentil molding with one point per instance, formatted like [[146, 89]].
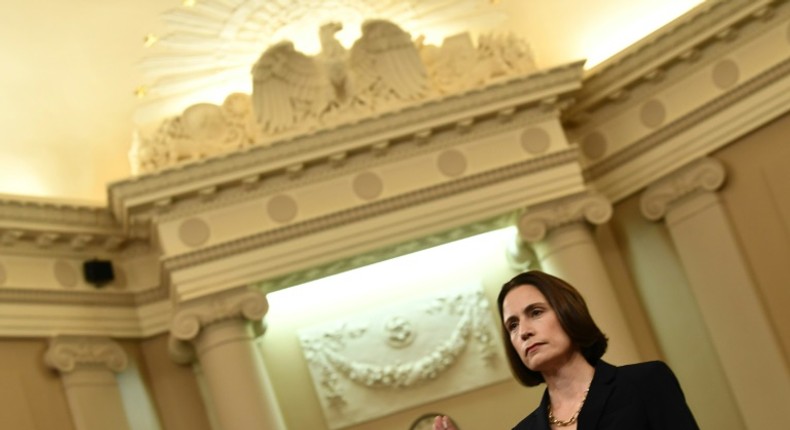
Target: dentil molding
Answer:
[[706, 174]]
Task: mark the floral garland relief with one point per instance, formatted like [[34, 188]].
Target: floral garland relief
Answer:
[[402, 347]]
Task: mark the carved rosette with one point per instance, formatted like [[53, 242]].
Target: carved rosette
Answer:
[[704, 175], [246, 304], [535, 223], [67, 354]]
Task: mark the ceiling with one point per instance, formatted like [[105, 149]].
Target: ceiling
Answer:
[[73, 72]]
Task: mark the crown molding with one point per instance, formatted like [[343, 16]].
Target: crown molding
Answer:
[[544, 90], [35, 226], [676, 44], [737, 80]]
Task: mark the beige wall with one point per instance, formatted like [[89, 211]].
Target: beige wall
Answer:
[[672, 310], [31, 394], [757, 199]]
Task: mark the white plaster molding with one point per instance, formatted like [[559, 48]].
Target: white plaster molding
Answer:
[[67, 354], [678, 43], [404, 354], [532, 167], [64, 228], [379, 154], [538, 221], [335, 87], [626, 155], [192, 317], [230, 170], [706, 174]]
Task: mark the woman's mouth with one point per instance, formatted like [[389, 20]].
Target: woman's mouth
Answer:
[[532, 348]]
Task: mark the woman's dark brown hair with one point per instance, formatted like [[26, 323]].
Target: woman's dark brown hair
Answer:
[[572, 313]]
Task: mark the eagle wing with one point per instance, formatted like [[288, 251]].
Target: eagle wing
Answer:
[[288, 86], [386, 63]]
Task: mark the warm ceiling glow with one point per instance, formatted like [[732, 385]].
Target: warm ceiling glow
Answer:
[[358, 285], [19, 177], [604, 42], [211, 50]]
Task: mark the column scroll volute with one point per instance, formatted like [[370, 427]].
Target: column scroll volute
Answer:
[[66, 354], [538, 221], [246, 303], [703, 175]]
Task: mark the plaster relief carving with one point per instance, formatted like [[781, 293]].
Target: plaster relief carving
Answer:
[[293, 93], [66, 354], [537, 222], [191, 318], [705, 174], [202, 130], [398, 356]]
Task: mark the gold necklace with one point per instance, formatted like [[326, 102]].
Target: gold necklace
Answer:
[[560, 423]]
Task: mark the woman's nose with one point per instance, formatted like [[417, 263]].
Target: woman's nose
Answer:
[[526, 331]]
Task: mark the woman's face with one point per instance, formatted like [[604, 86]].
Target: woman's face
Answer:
[[534, 329]]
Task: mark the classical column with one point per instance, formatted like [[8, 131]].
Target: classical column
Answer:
[[724, 290], [87, 367], [221, 330], [560, 234]]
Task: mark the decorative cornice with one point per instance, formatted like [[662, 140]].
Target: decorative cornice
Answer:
[[677, 43], [706, 174], [343, 164], [359, 213], [243, 303], [536, 222], [54, 227], [257, 163], [690, 120], [67, 354]]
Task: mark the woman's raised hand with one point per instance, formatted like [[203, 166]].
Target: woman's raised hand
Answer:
[[442, 422]]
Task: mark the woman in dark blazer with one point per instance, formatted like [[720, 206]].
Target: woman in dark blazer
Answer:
[[551, 338]]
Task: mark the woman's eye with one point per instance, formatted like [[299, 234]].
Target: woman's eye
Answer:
[[511, 326], [536, 312]]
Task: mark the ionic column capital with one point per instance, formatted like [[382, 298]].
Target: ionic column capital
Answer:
[[705, 174], [68, 353], [241, 303], [536, 222]]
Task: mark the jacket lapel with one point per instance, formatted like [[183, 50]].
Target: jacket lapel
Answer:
[[542, 414], [600, 389]]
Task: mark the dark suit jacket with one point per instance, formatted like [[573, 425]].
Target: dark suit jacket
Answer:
[[634, 397]]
